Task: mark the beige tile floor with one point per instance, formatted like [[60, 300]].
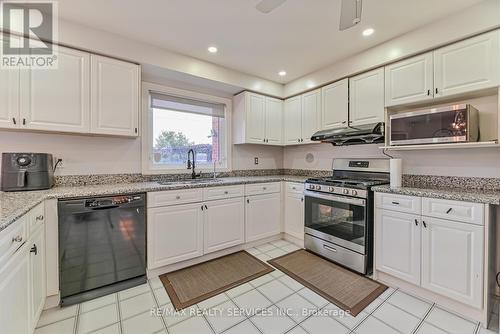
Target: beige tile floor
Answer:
[[271, 304]]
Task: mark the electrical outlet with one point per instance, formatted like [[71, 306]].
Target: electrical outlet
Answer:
[[256, 161]]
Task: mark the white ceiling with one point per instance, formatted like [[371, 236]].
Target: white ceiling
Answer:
[[300, 36]]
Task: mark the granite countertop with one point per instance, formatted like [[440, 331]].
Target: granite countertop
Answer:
[[15, 204], [456, 194]]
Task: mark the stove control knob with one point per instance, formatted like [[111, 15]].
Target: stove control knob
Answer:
[[331, 189], [318, 187], [354, 192], [346, 191], [311, 186]]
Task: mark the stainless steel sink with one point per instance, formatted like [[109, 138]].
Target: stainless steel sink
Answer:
[[192, 181]]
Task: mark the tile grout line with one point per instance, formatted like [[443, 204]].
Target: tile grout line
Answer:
[[158, 305], [384, 300], [423, 318], [119, 313]]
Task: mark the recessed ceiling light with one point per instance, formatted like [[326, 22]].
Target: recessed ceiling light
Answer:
[[212, 49], [367, 32], [282, 73]]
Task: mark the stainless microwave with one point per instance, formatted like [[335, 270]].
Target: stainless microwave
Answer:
[[451, 124]]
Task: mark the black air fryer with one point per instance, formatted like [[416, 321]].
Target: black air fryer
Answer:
[[27, 171]]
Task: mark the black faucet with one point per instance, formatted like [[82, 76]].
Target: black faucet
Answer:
[[192, 165]]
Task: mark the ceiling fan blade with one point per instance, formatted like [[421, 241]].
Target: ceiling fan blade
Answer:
[[350, 13], [267, 6]]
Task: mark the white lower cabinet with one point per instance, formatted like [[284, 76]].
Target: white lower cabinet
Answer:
[[175, 233], [452, 260], [398, 245], [22, 275], [224, 224], [294, 210], [262, 216], [37, 274], [440, 255], [15, 294]]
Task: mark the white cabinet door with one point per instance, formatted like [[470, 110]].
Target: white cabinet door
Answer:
[[335, 105], [255, 118], [115, 97], [274, 121], [224, 224], [468, 65], [366, 98], [262, 216], [311, 113], [452, 260], [14, 294], [175, 233], [294, 214], [410, 80], [58, 99], [397, 244], [293, 120], [9, 94], [37, 275]]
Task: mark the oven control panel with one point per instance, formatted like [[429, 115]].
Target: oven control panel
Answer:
[[361, 193]]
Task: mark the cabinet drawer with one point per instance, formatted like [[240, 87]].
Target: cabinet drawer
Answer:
[[292, 187], [172, 197], [36, 217], [262, 188], [12, 238], [401, 203], [453, 210], [223, 192]]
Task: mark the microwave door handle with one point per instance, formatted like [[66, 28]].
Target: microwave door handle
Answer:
[[341, 199], [21, 178]]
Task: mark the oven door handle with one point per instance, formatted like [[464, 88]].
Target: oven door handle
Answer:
[[341, 199]]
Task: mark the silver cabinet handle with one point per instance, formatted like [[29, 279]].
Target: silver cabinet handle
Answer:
[[449, 210], [264, 188], [40, 217], [302, 199], [226, 192], [177, 197], [17, 239], [331, 249]]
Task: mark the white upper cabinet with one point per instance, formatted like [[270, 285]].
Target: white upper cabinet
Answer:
[[257, 119], [366, 98], [311, 113], [469, 65], [57, 99], [410, 80], [335, 105], [452, 260], [9, 95], [115, 96], [293, 120], [274, 121]]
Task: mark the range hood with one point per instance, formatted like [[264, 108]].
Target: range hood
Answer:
[[365, 134]]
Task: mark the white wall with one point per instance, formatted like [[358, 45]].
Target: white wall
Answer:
[[454, 162], [109, 155]]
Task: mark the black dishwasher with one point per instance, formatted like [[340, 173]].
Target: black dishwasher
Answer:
[[102, 246]]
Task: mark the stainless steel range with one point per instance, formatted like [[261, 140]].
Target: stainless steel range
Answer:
[[339, 212]]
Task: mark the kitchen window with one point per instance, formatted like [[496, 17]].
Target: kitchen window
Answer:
[[178, 123]]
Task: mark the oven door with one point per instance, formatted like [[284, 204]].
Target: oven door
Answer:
[[338, 219]]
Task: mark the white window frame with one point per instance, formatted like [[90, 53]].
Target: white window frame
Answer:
[[148, 168]]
